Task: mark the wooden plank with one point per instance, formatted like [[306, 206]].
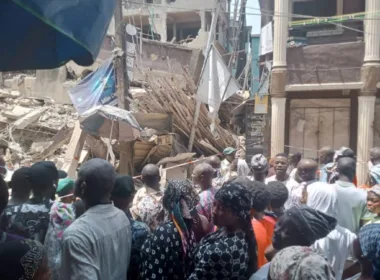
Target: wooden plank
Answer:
[[29, 118]]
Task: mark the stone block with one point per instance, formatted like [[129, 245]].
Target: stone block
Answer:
[[17, 112], [8, 83]]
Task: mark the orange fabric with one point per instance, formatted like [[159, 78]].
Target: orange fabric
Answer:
[[263, 229], [355, 181]]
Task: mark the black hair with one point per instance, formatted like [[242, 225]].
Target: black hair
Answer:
[[282, 155], [4, 195], [260, 196], [20, 184], [279, 194], [124, 187]]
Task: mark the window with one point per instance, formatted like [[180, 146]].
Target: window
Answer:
[[316, 8]]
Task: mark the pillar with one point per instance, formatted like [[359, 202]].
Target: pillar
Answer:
[[277, 91], [370, 76]]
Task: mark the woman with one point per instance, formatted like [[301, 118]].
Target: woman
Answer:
[[369, 239], [373, 203], [166, 254], [23, 260], [231, 251], [300, 263]]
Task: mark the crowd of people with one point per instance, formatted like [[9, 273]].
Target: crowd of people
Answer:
[[285, 218]]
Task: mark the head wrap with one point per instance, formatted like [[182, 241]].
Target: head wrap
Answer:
[[375, 190], [259, 162], [229, 151], [300, 263], [174, 193], [375, 173], [20, 259], [65, 187], [237, 198], [344, 152], [369, 239], [312, 224]]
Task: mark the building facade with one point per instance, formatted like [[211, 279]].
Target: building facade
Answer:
[[325, 76]]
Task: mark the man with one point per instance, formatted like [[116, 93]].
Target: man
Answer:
[[374, 173], [281, 165], [147, 204], [375, 156], [351, 201], [242, 166], [326, 157], [98, 244], [20, 186], [331, 167], [31, 219], [294, 159], [215, 163], [279, 195], [202, 175], [259, 167]]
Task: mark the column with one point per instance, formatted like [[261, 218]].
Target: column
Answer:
[[278, 125], [372, 32], [277, 90]]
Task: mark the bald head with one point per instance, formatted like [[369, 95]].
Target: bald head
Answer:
[[307, 169], [375, 156], [326, 155], [151, 176], [214, 161], [346, 167], [95, 182], [203, 174]]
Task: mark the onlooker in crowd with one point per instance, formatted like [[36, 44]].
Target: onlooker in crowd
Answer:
[[279, 195], [369, 239], [98, 244], [373, 204], [375, 156], [271, 171], [300, 263], [333, 175], [122, 196], [336, 247], [326, 158], [202, 176], [230, 156], [231, 251], [23, 259], [31, 219], [65, 190], [20, 186], [294, 160], [167, 253], [259, 168], [263, 226], [352, 210], [374, 175], [147, 203], [281, 165], [215, 163]]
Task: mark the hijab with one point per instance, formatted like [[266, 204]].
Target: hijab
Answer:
[[375, 173]]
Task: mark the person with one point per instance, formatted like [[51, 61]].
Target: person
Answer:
[[294, 160], [147, 203], [259, 167], [271, 171], [166, 254], [369, 239], [215, 163], [333, 175], [230, 156], [373, 204], [23, 259], [263, 226], [352, 210], [375, 156], [61, 217], [230, 252], [306, 170], [300, 263], [4, 171], [65, 190], [279, 195], [202, 175], [97, 245], [20, 186], [299, 226], [122, 196], [31, 219], [362, 269], [281, 164], [374, 175], [337, 246], [326, 158]]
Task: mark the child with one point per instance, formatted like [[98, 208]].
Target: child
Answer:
[[373, 203], [278, 196]]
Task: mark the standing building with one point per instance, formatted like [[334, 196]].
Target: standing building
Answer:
[[325, 76]]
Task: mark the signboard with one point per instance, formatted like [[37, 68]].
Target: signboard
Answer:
[[261, 104]]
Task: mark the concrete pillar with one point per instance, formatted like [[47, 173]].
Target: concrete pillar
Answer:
[[278, 84], [175, 31], [366, 117], [202, 15], [372, 32], [278, 125]]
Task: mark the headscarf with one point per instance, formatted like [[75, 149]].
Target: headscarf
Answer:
[[20, 259], [65, 187], [375, 173], [259, 162], [375, 190], [369, 239], [174, 193], [229, 151], [300, 263], [237, 198], [313, 224], [322, 199]]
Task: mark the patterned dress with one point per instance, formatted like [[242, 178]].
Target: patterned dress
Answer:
[[221, 257], [162, 254], [204, 206]]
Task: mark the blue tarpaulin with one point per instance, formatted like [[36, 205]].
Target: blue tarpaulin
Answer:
[[45, 34]]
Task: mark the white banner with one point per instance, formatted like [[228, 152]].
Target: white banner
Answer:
[[266, 39]]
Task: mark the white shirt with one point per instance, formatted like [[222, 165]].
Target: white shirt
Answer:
[[290, 184], [351, 206], [336, 247]]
